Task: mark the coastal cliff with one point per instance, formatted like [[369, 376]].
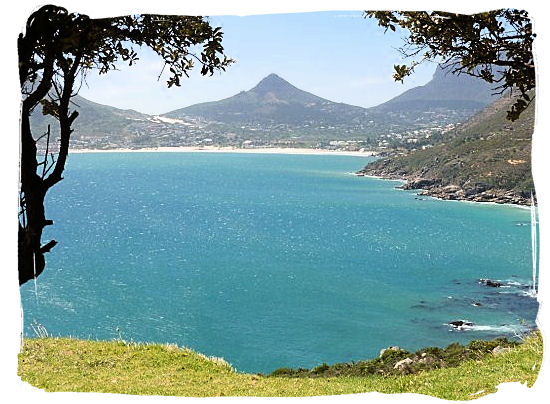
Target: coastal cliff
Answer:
[[488, 159], [436, 187]]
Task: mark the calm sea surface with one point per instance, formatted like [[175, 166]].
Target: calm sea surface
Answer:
[[272, 260]]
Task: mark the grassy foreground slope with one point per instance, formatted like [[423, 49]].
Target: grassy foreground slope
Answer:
[[61, 364]]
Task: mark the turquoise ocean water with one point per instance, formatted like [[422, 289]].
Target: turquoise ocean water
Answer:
[[272, 260]]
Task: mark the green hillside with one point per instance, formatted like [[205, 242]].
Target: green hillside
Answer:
[[62, 364], [94, 119], [96, 123], [487, 159]]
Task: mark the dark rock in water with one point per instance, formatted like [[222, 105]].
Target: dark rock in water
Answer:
[[460, 324], [489, 282], [476, 304]]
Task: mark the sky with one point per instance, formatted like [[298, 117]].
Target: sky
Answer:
[[337, 55]]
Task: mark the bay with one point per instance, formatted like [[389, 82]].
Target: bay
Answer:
[[272, 260]]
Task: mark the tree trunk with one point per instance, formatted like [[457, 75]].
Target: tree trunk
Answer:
[[30, 258]]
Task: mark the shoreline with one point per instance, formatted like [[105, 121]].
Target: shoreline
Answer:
[[434, 189], [405, 182], [229, 149]]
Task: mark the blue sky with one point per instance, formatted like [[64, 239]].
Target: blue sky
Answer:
[[337, 55]]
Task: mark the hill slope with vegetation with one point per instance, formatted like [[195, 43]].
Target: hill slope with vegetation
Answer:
[[488, 159], [61, 364]]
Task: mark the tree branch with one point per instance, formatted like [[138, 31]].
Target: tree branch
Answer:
[[65, 122]]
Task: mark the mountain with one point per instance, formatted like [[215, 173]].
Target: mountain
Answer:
[[276, 113], [274, 101], [444, 91], [94, 120], [487, 159], [446, 100], [275, 109]]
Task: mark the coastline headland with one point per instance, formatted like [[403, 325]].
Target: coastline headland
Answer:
[[438, 188]]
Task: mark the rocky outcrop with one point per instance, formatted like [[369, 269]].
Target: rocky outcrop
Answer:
[[490, 282], [436, 187], [403, 363], [461, 324], [455, 192], [421, 183]]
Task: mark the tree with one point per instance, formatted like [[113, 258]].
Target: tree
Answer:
[[56, 51], [495, 46]]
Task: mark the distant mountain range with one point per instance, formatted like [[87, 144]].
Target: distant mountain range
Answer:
[[447, 98], [275, 112]]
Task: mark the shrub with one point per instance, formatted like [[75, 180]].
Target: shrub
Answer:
[[488, 346], [321, 368], [282, 372]]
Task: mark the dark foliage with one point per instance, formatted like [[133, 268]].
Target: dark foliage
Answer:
[[387, 363], [495, 46]]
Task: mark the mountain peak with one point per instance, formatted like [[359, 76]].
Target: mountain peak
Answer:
[[444, 90], [273, 78], [272, 82], [273, 100]]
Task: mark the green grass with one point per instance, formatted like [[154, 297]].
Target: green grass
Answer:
[[62, 364]]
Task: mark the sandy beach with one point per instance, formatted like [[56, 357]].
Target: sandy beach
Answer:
[[214, 149]]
